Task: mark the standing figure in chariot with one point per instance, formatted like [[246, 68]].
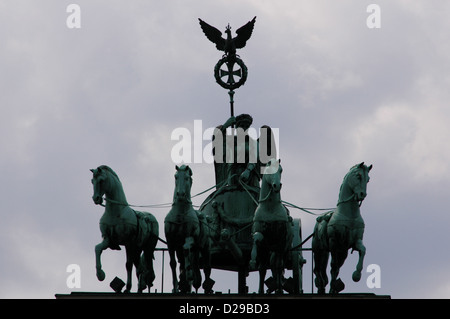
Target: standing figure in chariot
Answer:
[[239, 157]]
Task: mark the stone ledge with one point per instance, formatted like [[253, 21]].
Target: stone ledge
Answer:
[[216, 296]]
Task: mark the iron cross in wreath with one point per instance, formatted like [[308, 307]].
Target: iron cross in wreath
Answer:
[[234, 66]]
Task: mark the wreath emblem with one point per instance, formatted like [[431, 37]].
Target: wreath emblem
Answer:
[[230, 73]]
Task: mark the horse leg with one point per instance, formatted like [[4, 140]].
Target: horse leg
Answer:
[[149, 255], [262, 274], [183, 284], [141, 270], [257, 256], [188, 259], [257, 239], [98, 252], [132, 259], [262, 259], [356, 276], [195, 268], [262, 277], [321, 253], [280, 271], [197, 279], [173, 267], [208, 282], [337, 260], [320, 270], [277, 270]]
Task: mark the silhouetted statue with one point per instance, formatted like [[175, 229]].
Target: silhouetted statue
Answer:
[[272, 229], [338, 231], [188, 238], [121, 225]]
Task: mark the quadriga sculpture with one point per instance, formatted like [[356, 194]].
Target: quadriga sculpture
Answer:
[[187, 236], [338, 231], [122, 226]]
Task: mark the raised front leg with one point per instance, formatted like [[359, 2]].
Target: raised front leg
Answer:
[[98, 252], [361, 249]]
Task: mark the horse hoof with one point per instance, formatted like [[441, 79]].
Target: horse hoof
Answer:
[[207, 285], [100, 275], [321, 291], [336, 286], [356, 276]]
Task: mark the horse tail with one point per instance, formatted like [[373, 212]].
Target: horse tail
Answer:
[[148, 229], [204, 233], [320, 234]]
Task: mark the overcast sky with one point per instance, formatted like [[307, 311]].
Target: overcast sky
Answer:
[[112, 92]]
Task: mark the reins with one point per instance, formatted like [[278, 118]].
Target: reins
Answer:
[[351, 197], [245, 187], [161, 205], [309, 209]]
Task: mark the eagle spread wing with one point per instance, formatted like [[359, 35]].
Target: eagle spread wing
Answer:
[[244, 33], [213, 34]]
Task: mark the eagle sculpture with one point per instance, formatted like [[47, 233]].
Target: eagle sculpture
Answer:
[[230, 44]]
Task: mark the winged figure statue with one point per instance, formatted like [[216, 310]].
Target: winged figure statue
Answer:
[[228, 44]]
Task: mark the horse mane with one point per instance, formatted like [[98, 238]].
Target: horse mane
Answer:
[[353, 169], [109, 170], [185, 168]]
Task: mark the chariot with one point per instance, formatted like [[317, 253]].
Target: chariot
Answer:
[[230, 211]]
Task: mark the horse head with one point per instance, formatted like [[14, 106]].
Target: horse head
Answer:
[[272, 175], [183, 183], [102, 182], [99, 182], [357, 179]]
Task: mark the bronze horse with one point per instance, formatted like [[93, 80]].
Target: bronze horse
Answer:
[[187, 236], [272, 228], [121, 225], [337, 231]]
